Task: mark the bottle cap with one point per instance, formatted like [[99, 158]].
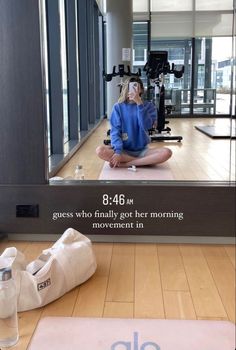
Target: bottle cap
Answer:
[[5, 274]]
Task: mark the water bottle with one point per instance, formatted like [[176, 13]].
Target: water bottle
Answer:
[[79, 173], [8, 309]]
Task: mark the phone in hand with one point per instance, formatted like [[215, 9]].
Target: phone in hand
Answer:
[[133, 87]]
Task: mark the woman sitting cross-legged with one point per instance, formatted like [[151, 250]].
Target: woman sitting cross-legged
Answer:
[[131, 118]]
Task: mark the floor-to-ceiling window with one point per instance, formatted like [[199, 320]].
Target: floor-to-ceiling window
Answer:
[[101, 53], [213, 50], [222, 63], [212, 81], [64, 69], [179, 54], [46, 73], [198, 35], [140, 47], [77, 63], [72, 46]]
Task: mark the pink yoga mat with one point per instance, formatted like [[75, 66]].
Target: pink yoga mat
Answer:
[[157, 172], [72, 333]]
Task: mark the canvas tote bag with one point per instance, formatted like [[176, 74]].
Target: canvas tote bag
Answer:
[[68, 263]]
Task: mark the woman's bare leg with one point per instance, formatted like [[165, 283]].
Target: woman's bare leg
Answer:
[[152, 156]]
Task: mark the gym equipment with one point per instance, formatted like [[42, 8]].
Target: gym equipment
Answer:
[[156, 68], [121, 72], [217, 132]]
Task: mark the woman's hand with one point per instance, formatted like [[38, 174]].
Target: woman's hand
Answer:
[[115, 160]]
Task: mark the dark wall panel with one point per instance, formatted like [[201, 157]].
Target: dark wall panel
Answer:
[[206, 211], [22, 124]]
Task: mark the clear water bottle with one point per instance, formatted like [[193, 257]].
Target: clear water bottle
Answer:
[[79, 173], [8, 309]]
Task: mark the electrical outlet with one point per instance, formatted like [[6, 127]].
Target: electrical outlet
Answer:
[[27, 211]]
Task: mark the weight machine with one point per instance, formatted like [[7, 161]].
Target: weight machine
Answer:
[[156, 68]]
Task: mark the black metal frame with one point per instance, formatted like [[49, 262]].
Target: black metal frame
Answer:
[[156, 67]]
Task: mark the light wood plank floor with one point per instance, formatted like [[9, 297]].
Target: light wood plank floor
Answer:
[[144, 281], [197, 158]]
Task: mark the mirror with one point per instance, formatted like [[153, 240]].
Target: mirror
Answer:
[[198, 105]]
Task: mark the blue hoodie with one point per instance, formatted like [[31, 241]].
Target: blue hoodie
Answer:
[[129, 125]]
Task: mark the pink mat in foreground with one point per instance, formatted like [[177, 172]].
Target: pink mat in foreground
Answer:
[[72, 333], [156, 172]]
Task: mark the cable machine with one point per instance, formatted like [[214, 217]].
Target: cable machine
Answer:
[[156, 68]]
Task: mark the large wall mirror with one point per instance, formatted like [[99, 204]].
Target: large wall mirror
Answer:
[[54, 114], [200, 106]]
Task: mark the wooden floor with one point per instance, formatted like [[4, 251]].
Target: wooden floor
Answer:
[[144, 281], [197, 158]]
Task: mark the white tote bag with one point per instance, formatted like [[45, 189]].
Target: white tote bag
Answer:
[[68, 263]]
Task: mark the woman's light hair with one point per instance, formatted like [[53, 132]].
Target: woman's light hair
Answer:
[[125, 88]]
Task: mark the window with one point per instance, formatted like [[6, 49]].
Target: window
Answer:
[[64, 70], [179, 54], [222, 68], [213, 78], [140, 45], [46, 73], [204, 28]]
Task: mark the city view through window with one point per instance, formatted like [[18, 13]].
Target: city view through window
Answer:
[[212, 70]]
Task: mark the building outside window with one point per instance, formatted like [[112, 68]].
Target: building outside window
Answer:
[[222, 64], [187, 28]]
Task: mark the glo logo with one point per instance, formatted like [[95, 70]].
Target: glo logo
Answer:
[[127, 345]]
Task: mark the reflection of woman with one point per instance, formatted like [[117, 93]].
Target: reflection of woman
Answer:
[[130, 120]]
